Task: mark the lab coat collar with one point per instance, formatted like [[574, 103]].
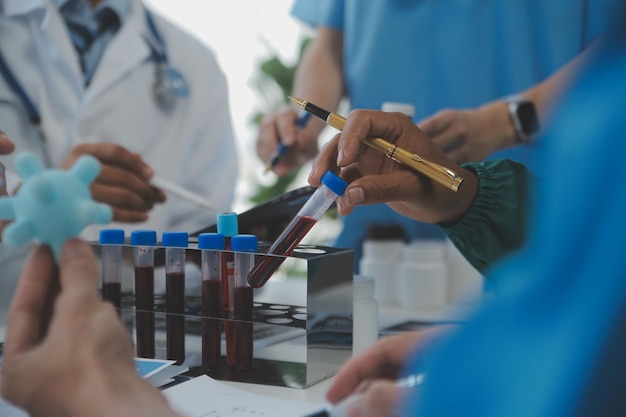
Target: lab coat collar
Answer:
[[127, 50], [12, 8], [120, 7]]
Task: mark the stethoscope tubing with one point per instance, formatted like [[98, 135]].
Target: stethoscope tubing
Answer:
[[170, 84]]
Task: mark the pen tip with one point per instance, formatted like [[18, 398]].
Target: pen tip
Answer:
[[301, 103]]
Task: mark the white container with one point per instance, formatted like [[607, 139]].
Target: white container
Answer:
[[465, 282], [381, 260], [365, 314], [423, 276]]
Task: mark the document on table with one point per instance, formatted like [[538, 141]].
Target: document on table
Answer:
[[206, 397]]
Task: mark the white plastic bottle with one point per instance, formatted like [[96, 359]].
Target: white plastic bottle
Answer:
[[382, 254], [465, 282], [423, 276], [365, 314]]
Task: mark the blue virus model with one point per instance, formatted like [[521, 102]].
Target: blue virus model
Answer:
[[51, 206]]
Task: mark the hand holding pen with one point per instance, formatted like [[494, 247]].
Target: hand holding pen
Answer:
[[282, 149], [384, 391], [376, 175], [372, 384], [436, 172], [123, 182], [287, 129]]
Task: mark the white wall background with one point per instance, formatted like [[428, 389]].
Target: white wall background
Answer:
[[239, 32]]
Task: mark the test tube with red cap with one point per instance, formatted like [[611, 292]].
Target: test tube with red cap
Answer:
[[144, 242], [332, 187], [244, 247], [111, 258], [175, 244], [227, 224], [211, 246]]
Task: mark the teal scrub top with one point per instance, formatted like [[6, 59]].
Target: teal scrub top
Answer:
[[437, 54], [552, 343]]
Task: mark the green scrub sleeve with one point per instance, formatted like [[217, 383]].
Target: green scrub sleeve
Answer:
[[497, 221]]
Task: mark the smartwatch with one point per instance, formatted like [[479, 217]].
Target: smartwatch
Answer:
[[524, 118]]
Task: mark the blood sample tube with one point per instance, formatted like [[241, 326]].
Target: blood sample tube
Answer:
[[144, 242], [111, 257], [175, 244], [212, 246], [244, 247], [228, 226], [332, 187]]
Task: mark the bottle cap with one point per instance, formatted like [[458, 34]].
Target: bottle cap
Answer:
[[111, 237], [143, 237], [244, 243], [211, 241], [227, 224], [175, 239], [363, 286], [405, 108], [386, 232], [334, 182]]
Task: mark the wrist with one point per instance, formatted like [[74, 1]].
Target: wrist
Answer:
[[458, 203], [501, 129]]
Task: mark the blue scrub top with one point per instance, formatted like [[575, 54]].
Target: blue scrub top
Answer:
[[437, 54], [553, 342]]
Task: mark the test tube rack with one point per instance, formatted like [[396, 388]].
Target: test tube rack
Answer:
[[295, 345]]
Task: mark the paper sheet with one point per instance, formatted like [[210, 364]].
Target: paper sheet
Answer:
[[206, 397]]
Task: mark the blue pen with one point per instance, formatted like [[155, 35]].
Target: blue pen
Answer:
[[282, 149], [340, 409]]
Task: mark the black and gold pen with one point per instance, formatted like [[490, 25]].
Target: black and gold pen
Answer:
[[435, 172]]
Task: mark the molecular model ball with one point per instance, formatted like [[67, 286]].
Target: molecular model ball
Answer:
[[51, 206]]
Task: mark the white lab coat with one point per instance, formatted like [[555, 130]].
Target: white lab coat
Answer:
[[192, 145]]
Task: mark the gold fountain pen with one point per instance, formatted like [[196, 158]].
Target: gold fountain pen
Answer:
[[435, 172]]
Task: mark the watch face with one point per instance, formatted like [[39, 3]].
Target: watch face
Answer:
[[528, 118]]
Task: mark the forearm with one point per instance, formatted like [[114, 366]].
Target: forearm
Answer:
[[544, 95], [496, 223], [547, 93], [319, 77]]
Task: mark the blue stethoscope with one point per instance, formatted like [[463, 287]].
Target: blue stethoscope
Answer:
[[169, 85]]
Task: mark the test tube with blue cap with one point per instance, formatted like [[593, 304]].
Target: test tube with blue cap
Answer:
[[320, 201], [228, 225], [175, 244], [211, 245], [144, 242], [244, 247], [111, 241]]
